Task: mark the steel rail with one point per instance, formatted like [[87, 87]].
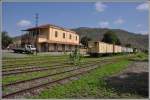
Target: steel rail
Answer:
[[5, 85], [24, 68], [48, 83], [12, 65]]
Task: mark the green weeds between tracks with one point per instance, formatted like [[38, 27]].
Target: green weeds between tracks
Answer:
[[140, 57], [91, 85]]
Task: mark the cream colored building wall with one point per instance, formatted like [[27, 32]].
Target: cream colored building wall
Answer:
[[43, 36], [60, 36], [48, 34]]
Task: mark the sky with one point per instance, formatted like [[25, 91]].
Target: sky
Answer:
[[129, 16]]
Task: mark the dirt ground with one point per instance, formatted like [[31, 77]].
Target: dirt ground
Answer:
[[134, 79]]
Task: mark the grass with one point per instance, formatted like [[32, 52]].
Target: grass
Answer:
[[27, 60], [25, 76], [31, 56], [91, 85], [140, 56], [37, 64]]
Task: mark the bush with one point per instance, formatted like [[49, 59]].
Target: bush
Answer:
[[75, 57]]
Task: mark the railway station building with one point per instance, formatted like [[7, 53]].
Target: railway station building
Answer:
[[51, 38]]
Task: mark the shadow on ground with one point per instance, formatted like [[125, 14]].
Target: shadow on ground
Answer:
[[130, 83], [144, 60]]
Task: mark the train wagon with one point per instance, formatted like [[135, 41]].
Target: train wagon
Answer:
[[129, 50], [99, 48], [109, 48], [117, 49], [123, 49]]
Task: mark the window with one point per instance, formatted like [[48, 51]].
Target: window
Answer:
[[63, 35], [76, 38], [56, 34], [70, 47], [70, 36]]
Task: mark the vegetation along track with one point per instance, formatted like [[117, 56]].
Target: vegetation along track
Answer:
[[33, 63], [51, 73], [20, 67], [31, 58], [30, 63], [29, 66], [79, 71], [33, 69]]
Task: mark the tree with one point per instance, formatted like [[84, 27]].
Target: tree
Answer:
[[84, 41], [128, 45], [6, 39], [111, 37]]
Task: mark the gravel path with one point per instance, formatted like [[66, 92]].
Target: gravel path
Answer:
[[134, 79]]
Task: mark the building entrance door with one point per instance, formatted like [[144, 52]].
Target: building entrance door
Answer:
[[44, 47], [55, 47], [63, 47]]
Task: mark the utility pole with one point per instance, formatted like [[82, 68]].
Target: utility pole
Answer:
[[37, 31]]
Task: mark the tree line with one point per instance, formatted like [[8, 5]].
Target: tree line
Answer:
[[109, 37], [6, 39]]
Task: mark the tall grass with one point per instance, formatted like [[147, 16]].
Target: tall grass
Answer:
[[90, 85]]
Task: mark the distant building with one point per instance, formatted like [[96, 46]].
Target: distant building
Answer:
[[51, 38], [16, 42]]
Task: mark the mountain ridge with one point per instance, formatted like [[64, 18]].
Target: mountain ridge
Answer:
[[136, 40]]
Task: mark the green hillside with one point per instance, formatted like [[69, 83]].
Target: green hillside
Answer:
[[136, 40]]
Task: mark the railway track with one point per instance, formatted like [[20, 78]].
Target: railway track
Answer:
[[31, 66], [30, 69], [48, 74], [33, 69], [55, 81], [29, 63], [29, 58]]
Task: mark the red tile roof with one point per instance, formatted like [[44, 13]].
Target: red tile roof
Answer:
[[47, 26]]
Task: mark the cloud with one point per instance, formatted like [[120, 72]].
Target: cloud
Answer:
[[104, 24], [100, 7], [23, 23], [119, 21], [143, 6], [138, 25]]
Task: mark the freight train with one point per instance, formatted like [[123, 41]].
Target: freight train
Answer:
[[96, 48]]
